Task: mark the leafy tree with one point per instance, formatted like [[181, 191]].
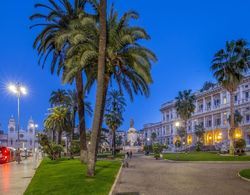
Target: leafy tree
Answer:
[[185, 107], [153, 136], [228, 67], [115, 106], [199, 132], [207, 85]]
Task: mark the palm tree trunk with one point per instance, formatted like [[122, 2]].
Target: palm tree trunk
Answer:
[[81, 114], [113, 142], [231, 131], [106, 83], [100, 88], [186, 137]]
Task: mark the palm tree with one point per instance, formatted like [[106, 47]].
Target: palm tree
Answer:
[[185, 106], [58, 121], [128, 63], [59, 98], [115, 106], [73, 107], [199, 131], [55, 22], [228, 67]]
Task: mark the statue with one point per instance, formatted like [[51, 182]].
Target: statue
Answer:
[[132, 134], [132, 123]]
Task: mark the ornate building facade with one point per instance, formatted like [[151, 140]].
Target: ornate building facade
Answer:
[[212, 109], [28, 138]]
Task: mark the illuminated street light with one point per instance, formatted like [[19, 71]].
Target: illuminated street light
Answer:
[[18, 90], [177, 124]]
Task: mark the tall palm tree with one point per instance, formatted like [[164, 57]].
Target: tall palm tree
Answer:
[[115, 106], [128, 63], [99, 104], [55, 21], [59, 98], [228, 67], [58, 121], [185, 106]]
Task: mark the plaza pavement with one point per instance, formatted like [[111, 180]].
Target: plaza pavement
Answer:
[[147, 176], [14, 178]]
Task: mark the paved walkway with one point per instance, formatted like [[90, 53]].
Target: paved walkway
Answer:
[[14, 178], [148, 176]]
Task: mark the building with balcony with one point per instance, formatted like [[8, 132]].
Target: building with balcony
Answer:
[[212, 110]]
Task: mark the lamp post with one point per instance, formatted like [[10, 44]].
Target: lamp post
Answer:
[[18, 90], [34, 126]]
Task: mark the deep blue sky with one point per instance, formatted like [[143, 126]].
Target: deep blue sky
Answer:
[[185, 35]]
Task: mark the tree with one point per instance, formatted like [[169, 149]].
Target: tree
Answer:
[[99, 104], [228, 67], [59, 98], [54, 22], [185, 106], [58, 120], [207, 85], [237, 118], [115, 106], [199, 131], [153, 136]]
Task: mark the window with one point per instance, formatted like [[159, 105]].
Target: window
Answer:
[[217, 122], [224, 100], [235, 98], [12, 129], [246, 94], [11, 142], [248, 118]]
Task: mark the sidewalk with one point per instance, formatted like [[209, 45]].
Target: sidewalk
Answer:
[[14, 178]]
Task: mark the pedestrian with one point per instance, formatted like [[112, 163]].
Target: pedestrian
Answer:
[[127, 154], [18, 156], [130, 154], [26, 153]]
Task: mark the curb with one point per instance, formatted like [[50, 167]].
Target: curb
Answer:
[[115, 182], [246, 179]]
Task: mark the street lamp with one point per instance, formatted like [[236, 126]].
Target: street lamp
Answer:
[[34, 126], [18, 90]]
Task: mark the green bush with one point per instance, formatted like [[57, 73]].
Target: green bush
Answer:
[[157, 149], [240, 145], [51, 149], [177, 143], [148, 148], [75, 147], [198, 146]]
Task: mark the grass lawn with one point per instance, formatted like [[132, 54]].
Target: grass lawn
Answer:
[[245, 173], [203, 156], [65, 177]]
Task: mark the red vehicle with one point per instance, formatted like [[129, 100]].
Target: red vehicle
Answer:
[[7, 154]]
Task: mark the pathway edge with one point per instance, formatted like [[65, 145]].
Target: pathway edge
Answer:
[[116, 180], [244, 178]]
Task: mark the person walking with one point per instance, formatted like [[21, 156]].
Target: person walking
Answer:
[[130, 154], [18, 155]]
